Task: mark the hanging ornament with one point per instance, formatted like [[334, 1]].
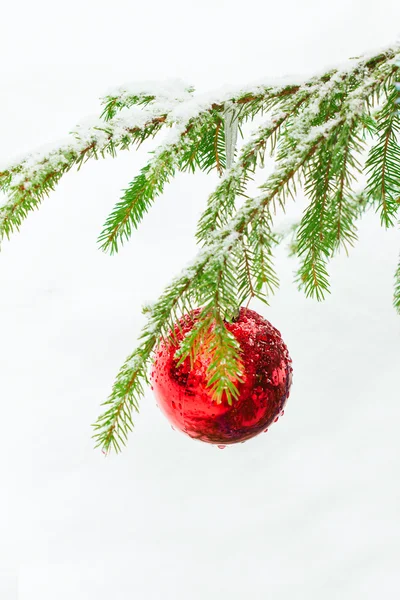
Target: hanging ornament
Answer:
[[184, 397]]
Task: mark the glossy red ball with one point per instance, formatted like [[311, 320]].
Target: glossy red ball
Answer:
[[183, 395]]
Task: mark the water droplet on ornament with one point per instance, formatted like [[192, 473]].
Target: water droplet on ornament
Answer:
[[276, 419], [221, 446], [265, 430], [282, 413], [180, 405], [173, 428], [173, 405]]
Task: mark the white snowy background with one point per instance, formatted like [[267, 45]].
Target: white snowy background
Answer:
[[308, 511]]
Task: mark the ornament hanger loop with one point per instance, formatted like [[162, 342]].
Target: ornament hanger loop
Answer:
[[231, 132]]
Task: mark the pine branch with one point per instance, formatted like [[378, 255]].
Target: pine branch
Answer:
[[30, 181], [205, 148], [211, 281], [197, 146], [136, 201], [196, 338], [225, 369], [143, 94], [354, 203], [113, 425], [383, 164], [221, 203], [344, 211], [261, 241], [326, 180], [202, 280], [314, 247], [213, 258], [244, 275]]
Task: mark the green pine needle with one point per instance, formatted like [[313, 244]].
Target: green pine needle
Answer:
[[383, 164]]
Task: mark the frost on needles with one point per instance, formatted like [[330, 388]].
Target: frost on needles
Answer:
[[318, 131]]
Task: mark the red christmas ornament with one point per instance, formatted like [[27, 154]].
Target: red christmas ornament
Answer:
[[185, 399]]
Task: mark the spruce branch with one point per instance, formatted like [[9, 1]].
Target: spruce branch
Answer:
[[218, 280], [205, 148], [113, 425], [143, 94], [136, 201], [221, 203], [211, 281], [225, 369], [200, 281], [33, 178], [316, 131], [245, 283], [261, 241], [28, 182], [344, 211], [383, 164], [326, 180], [199, 145]]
